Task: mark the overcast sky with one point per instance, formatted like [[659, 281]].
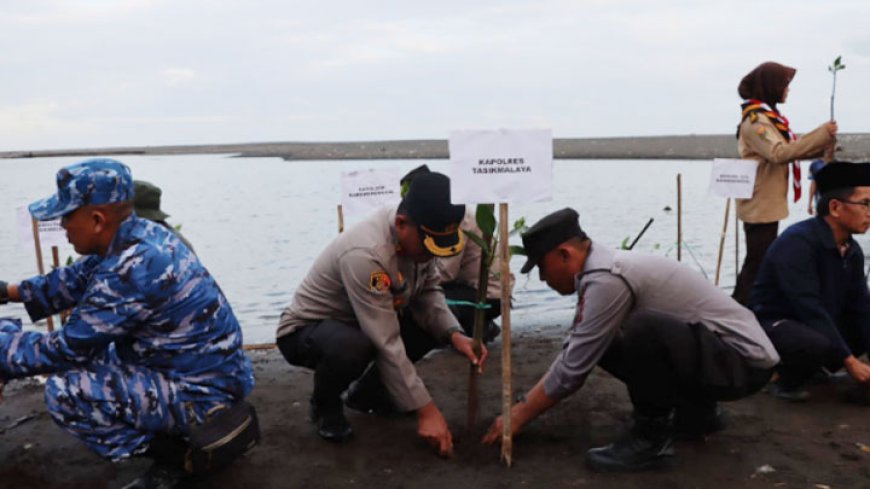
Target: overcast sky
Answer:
[[86, 73]]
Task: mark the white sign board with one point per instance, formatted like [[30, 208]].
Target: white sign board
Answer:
[[732, 178], [364, 191], [50, 232], [503, 166]]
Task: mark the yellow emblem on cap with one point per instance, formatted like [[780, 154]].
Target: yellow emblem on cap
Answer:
[[379, 281]]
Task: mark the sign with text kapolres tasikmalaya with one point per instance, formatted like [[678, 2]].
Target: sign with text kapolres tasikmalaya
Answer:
[[501, 166], [731, 178], [364, 191]]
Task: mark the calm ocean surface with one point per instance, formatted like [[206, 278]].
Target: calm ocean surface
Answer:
[[258, 223]]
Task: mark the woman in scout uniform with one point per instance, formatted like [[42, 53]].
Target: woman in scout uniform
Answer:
[[764, 135]]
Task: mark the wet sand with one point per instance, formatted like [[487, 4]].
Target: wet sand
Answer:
[[854, 147], [815, 444]]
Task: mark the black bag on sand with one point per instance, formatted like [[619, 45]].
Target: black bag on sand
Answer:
[[225, 436]]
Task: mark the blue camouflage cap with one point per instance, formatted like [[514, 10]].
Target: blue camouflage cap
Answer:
[[91, 182]]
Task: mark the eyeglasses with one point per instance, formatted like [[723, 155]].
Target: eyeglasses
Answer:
[[864, 203]]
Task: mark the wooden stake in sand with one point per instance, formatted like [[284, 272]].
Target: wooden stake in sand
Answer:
[[39, 266], [55, 260], [722, 241], [679, 216], [506, 385], [736, 243]]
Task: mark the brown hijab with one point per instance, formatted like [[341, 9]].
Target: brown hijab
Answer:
[[767, 82]]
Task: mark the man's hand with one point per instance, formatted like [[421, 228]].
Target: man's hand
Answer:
[[432, 427], [530, 407], [859, 370], [465, 346]]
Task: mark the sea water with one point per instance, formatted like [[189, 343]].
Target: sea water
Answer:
[[257, 224]]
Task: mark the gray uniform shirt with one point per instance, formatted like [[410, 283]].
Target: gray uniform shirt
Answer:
[[359, 279], [616, 283]]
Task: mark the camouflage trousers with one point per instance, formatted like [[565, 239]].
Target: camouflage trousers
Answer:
[[116, 409]]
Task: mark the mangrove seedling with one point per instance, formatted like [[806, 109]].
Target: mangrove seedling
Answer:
[[834, 68]]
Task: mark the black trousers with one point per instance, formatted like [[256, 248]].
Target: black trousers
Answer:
[[804, 351], [340, 353], [669, 364], [758, 240], [465, 314]]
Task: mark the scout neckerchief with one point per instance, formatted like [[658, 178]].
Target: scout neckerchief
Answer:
[[751, 108]]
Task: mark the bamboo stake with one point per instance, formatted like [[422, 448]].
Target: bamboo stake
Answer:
[[506, 387], [477, 335], [736, 244], [340, 220], [55, 260], [679, 216], [722, 241], [39, 266]]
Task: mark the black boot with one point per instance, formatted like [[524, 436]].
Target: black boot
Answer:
[[695, 423], [491, 332], [648, 446], [329, 421], [857, 393], [368, 395], [159, 476]]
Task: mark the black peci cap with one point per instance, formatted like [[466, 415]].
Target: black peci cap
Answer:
[[427, 203], [416, 172], [841, 174], [548, 233]]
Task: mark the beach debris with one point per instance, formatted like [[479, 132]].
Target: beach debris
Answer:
[[822, 486], [863, 447], [28, 446], [18, 422], [765, 469]]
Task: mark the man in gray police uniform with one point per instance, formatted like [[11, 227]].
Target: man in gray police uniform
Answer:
[[678, 342], [373, 295]]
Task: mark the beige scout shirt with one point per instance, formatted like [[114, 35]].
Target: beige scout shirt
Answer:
[[760, 140], [464, 268], [359, 279]]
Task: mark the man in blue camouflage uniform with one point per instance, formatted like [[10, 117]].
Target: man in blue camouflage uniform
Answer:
[[151, 346]]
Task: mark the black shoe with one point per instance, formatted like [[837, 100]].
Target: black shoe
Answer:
[[159, 476], [330, 424], [648, 446], [492, 332], [363, 400], [858, 394], [695, 424], [790, 394]]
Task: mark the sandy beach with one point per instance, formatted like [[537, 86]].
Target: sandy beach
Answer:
[[816, 444], [700, 147]]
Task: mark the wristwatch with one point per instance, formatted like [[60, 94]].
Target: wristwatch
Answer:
[[4, 293]]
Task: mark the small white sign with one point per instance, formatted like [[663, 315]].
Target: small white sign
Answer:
[[731, 178], [364, 191], [50, 232], [502, 166]]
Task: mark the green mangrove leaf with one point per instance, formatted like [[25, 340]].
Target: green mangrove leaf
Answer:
[[519, 227], [624, 244], [485, 217], [478, 241], [517, 250]]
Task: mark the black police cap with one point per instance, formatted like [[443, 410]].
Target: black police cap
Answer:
[[842, 174], [548, 233], [428, 204]]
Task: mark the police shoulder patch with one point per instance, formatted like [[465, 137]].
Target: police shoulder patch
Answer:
[[379, 281]]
